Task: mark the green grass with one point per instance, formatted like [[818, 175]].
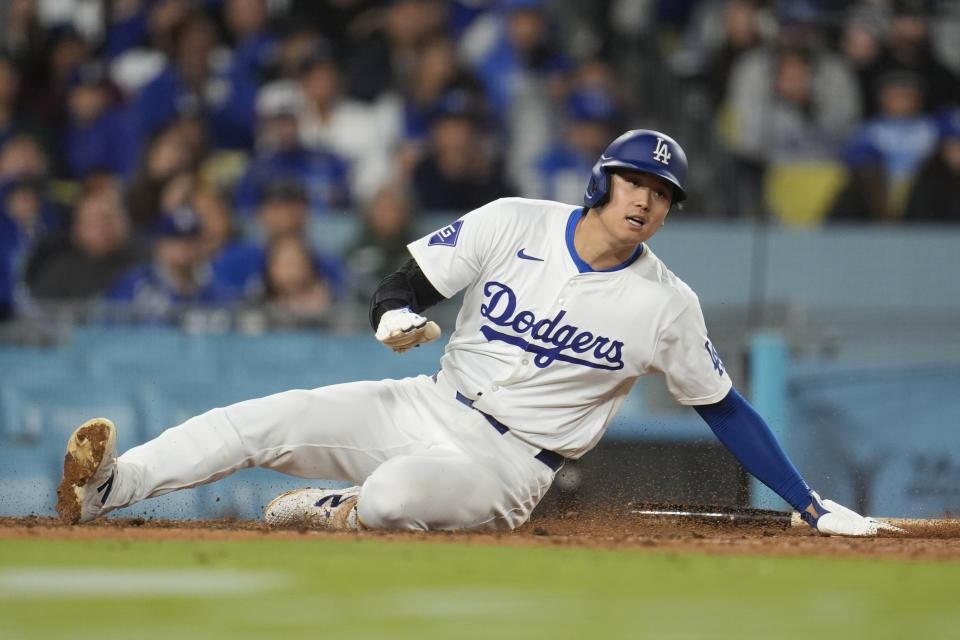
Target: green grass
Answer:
[[361, 589]]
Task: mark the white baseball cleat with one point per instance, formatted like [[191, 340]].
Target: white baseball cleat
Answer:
[[837, 520], [89, 468], [315, 509]]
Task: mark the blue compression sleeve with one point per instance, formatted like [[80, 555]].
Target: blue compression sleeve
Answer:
[[741, 429]]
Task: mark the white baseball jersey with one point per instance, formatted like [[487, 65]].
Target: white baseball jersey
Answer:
[[546, 344]]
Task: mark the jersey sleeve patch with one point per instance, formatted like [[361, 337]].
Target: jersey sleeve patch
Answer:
[[714, 357], [447, 236]]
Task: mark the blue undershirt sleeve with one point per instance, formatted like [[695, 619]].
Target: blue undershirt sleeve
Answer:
[[745, 433]]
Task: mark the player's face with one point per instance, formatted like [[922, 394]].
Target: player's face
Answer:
[[638, 205]]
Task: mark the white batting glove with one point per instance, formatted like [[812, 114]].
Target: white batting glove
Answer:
[[402, 329], [837, 520]]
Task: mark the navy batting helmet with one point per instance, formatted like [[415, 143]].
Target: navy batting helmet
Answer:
[[641, 150]]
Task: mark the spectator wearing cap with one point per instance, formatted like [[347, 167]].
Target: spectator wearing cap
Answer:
[[282, 212], [280, 155], [98, 132], [81, 263], [935, 194], [177, 277], [461, 169], [364, 133], [884, 154], [592, 119]]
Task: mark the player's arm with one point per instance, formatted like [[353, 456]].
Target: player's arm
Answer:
[[745, 433], [396, 305]]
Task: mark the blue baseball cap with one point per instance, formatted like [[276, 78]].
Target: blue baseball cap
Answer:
[[182, 222]]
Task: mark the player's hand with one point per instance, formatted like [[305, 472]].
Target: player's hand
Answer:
[[401, 329], [837, 520]]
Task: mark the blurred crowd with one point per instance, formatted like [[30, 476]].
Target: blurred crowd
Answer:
[[158, 155]]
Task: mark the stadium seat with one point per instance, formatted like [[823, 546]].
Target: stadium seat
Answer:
[[333, 233], [800, 194]]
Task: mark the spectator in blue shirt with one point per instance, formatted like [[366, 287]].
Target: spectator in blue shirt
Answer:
[[592, 118], [884, 154], [98, 131], [437, 72], [195, 83], [128, 27], [254, 44], [178, 277], [283, 211], [523, 53], [281, 156], [524, 74]]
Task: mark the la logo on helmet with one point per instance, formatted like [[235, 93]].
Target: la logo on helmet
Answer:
[[662, 152]]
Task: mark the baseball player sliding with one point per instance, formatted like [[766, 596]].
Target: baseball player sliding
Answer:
[[564, 308]]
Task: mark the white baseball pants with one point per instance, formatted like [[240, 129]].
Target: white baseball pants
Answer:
[[422, 459]]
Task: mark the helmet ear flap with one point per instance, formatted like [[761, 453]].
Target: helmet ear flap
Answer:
[[597, 187]]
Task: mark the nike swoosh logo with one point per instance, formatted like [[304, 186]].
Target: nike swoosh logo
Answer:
[[524, 256]]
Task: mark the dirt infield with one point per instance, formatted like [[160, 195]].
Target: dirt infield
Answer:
[[940, 540]]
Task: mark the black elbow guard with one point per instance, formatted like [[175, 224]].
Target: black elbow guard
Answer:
[[393, 292], [406, 287]]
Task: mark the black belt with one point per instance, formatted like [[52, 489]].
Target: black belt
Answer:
[[550, 458]]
